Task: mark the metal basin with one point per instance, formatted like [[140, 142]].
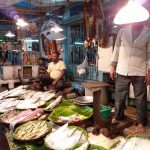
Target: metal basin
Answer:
[[84, 100]]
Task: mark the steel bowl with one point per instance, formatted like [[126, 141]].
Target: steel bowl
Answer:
[[84, 100]]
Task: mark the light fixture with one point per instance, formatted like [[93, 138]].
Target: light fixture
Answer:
[[21, 23], [52, 25], [56, 28], [55, 36], [9, 34], [130, 13]]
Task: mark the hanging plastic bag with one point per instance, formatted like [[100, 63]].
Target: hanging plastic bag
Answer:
[[81, 69]]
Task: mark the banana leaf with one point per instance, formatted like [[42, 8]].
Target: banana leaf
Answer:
[[91, 147], [68, 108], [14, 145], [36, 146], [30, 135], [142, 136]]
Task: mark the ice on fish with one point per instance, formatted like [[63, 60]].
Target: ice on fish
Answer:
[[56, 139]]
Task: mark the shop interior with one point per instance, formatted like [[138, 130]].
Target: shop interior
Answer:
[[81, 35]]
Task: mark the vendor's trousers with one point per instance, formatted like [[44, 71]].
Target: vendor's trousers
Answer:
[[46, 80], [122, 93]]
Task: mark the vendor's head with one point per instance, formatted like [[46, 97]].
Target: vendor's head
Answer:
[[41, 61], [55, 56]]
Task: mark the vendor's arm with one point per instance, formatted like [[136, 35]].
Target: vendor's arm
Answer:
[[115, 56]]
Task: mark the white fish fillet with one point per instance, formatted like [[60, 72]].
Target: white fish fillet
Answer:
[[83, 146], [133, 144], [55, 103]]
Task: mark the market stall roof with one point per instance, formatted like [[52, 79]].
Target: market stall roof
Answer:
[[29, 10]]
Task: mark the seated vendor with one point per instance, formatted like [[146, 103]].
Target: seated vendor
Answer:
[[55, 73], [41, 71]]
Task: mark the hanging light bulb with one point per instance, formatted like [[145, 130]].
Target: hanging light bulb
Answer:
[[132, 12], [56, 28], [21, 23], [9, 34]]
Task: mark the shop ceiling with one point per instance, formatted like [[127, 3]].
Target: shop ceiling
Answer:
[[38, 10], [29, 10]]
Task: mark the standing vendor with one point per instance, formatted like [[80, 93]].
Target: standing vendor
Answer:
[[130, 64]]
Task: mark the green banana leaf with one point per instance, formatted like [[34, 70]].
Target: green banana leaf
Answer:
[[68, 108], [30, 137], [36, 146], [142, 136], [91, 147], [14, 145]]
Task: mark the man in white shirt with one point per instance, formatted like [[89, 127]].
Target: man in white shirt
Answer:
[[130, 64], [56, 70]]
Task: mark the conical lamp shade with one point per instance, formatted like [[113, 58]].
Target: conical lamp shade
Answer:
[[55, 36], [132, 12], [9, 34]]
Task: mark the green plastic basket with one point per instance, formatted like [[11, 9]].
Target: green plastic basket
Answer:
[[105, 111]]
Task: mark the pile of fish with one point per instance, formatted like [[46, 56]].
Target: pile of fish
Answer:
[[36, 100], [31, 130], [8, 104], [65, 138], [134, 143], [21, 98], [5, 117]]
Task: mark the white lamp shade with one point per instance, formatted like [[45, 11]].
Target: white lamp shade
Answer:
[[9, 34], [131, 13], [55, 36], [56, 28], [21, 23]]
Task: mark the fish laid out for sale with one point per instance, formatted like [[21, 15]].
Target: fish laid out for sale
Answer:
[[8, 104], [25, 116], [5, 117], [83, 146], [32, 130], [64, 138], [133, 144], [17, 93], [72, 118], [35, 101], [3, 93], [54, 104], [14, 92]]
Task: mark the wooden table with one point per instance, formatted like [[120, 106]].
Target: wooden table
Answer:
[[91, 87]]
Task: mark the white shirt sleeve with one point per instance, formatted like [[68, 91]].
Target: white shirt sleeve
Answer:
[[115, 54], [148, 55]]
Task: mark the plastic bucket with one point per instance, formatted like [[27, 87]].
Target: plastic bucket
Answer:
[[105, 111]]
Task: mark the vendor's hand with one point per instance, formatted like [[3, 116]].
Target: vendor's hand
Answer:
[[147, 78], [112, 72], [54, 83]]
